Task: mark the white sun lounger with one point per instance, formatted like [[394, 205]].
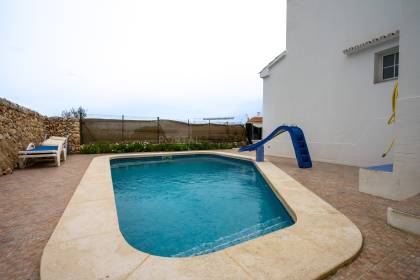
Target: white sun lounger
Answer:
[[53, 147]]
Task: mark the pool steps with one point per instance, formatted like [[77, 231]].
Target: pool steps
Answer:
[[235, 238]]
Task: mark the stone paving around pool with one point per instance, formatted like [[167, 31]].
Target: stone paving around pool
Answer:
[[33, 200], [387, 253], [31, 203], [87, 240]]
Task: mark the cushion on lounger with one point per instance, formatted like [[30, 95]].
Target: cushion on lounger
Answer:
[[44, 148]]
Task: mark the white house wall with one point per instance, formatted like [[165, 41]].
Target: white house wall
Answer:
[[407, 148], [331, 96]]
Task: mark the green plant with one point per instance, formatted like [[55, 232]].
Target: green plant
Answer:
[[98, 148], [79, 113]]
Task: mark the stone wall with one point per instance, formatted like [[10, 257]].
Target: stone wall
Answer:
[[65, 127], [20, 126]]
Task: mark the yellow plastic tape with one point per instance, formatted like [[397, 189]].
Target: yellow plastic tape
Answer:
[[394, 103], [389, 148], [391, 119]]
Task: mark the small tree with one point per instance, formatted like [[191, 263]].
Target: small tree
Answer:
[[79, 113]]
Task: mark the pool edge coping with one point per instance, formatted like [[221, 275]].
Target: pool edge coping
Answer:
[[251, 257]]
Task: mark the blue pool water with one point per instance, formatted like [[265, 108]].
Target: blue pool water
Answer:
[[192, 205]]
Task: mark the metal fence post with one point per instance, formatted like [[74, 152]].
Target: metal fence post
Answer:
[[122, 128], [208, 133], [189, 133], [228, 137], [158, 132]]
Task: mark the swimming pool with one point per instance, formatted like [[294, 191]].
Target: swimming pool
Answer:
[[89, 227], [189, 205]]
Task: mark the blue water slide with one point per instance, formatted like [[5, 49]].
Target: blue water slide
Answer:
[[299, 144]]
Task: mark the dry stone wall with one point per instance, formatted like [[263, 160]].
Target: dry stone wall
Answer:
[[65, 127], [20, 126]]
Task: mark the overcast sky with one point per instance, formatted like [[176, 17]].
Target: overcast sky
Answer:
[[178, 59]]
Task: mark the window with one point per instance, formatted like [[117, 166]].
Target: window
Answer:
[[390, 66], [386, 65]]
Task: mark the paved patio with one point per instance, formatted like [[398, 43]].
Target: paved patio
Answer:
[[32, 201], [387, 253]]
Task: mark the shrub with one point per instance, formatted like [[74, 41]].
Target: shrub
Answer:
[[79, 113], [99, 148]]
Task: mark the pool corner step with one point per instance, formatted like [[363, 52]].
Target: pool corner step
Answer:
[[235, 238]]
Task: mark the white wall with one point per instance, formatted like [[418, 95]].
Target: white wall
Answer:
[[332, 96], [407, 148]]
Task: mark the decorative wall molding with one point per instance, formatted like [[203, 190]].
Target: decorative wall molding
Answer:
[[373, 42]]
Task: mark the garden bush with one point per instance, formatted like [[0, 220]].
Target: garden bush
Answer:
[[99, 148]]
